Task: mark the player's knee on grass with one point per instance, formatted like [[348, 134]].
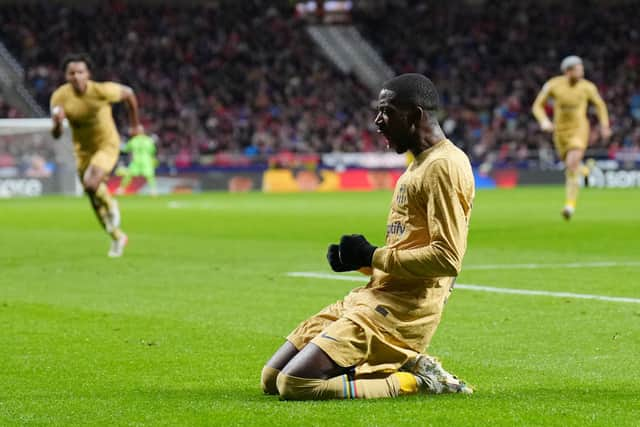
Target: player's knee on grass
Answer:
[[296, 388], [272, 368], [268, 380]]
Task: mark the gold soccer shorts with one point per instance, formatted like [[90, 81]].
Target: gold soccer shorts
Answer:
[[104, 157], [351, 343], [565, 141]]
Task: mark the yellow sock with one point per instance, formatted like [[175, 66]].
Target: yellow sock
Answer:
[[340, 387], [408, 382], [98, 209], [572, 184], [103, 195], [103, 216], [116, 234]]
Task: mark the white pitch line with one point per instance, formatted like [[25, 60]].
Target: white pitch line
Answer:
[[174, 204], [596, 264], [478, 288]]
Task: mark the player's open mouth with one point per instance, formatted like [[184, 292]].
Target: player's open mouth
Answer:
[[383, 133]]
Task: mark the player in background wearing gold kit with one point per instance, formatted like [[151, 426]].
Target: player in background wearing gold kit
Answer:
[[370, 344], [87, 106], [571, 93]]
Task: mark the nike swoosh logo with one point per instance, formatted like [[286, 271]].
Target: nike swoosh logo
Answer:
[[328, 337]]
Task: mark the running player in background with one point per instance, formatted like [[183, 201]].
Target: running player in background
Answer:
[[370, 344], [87, 106], [142, 149], [571, 93]]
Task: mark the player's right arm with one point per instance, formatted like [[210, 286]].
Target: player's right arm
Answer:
[[538, 108], [57, 115]]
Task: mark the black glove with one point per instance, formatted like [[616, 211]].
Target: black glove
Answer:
[[355, 251], [333, 256]]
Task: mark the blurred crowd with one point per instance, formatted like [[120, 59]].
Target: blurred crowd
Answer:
[[490, 61], [245, 79], [30, 156], [7, 111], [240, 79]]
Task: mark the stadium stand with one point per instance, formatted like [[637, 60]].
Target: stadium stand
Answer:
[[8, 111], [246, 79], [242, 79], [493, 58]]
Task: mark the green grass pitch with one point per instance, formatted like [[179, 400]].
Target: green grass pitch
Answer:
[[177, 331]]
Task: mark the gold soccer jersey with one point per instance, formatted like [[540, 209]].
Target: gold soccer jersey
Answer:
[[571, 126], [426, 240], [95, 136]]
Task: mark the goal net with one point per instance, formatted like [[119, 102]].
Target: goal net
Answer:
[[32, 163]]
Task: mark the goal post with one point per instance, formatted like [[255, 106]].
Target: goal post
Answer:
[[32, 162]]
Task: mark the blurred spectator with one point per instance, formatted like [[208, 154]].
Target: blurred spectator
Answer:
[[7, 111], [31, 156], [244, 77]]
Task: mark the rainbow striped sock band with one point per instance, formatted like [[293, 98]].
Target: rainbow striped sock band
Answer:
[[349, 390]]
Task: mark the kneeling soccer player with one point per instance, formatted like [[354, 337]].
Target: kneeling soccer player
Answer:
[[369, 344]]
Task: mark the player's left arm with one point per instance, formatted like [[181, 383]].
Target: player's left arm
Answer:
[[115, 92], [448, 206], [128, 96], [601, 110]]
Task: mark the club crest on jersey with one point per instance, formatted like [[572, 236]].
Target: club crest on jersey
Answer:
[[401, 195]]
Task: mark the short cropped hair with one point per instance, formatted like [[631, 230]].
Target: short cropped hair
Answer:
[[414, 89], [569, 62], [77, 57]]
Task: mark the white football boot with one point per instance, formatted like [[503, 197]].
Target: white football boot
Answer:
[[567, 212], [432, 377], [117, 246]]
